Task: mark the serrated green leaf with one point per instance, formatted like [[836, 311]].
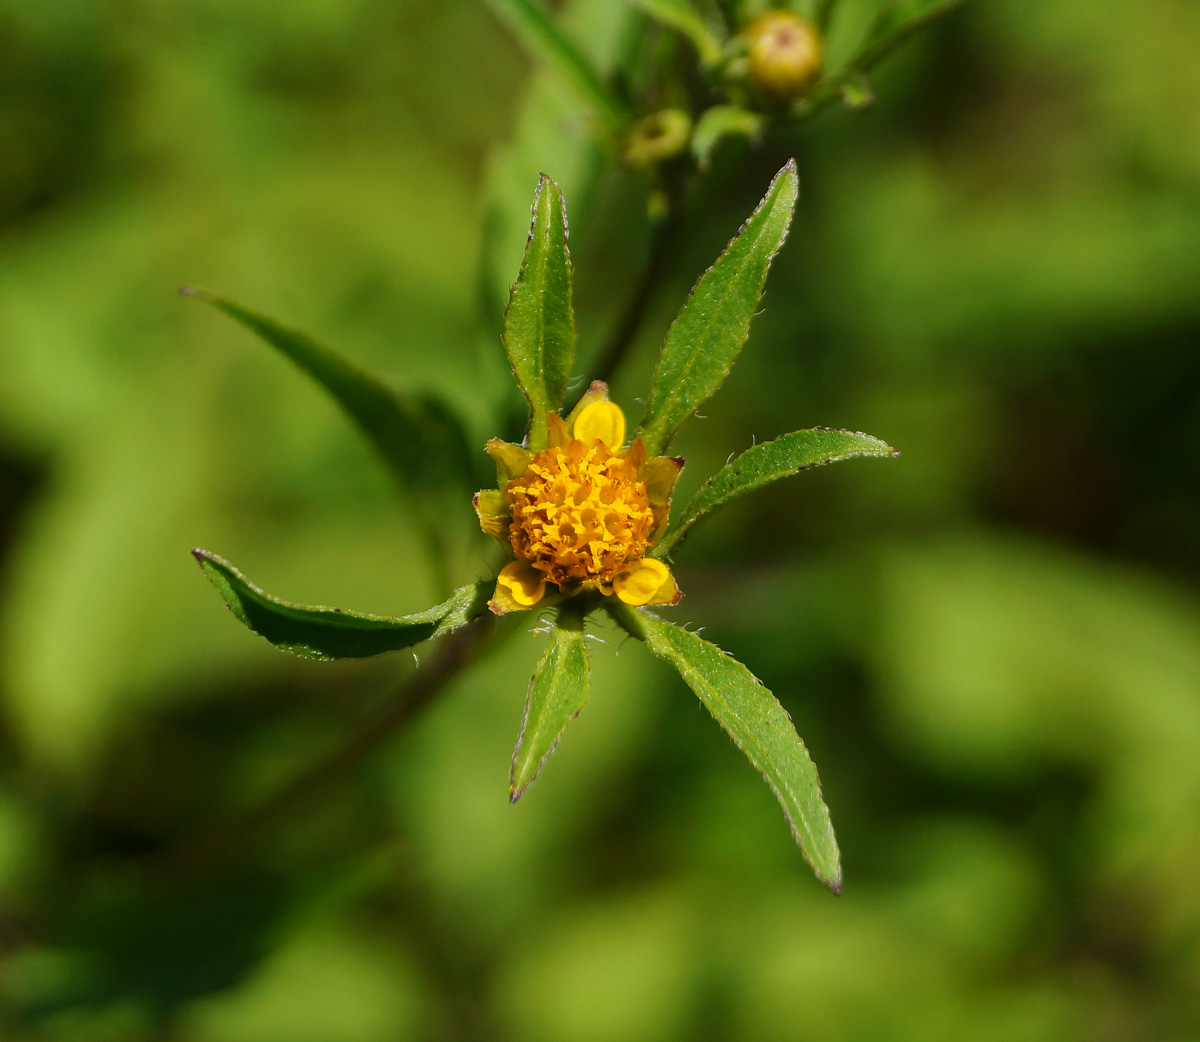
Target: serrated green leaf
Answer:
[[707, 335], [418, 436], [682, 16], [537, 29], [722, 121], [769, 462], [756, 722], [557, 693], [894, 24], [331, 633], [539, 324]]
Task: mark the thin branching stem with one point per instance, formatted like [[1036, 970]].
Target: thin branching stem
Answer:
[[220, 843]]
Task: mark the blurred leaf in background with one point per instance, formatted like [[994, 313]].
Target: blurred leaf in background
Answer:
[[989, 646]]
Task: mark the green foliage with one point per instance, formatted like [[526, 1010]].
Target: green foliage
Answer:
[[681, 15], [708, 333], [765, 463], [892, 25], [758, 725], [557, 693], [539, 324], [332, 633], [541, 33], [418, 436], [990, 647], [720, 122]]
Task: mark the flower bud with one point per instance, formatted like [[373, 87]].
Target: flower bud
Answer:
[[785, 53], [658, 137]]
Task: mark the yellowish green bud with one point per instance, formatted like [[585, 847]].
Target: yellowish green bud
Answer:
[[785, 54], [658, 137]]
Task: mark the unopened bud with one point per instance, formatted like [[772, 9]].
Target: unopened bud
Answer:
[[785, 53], [658, 137]]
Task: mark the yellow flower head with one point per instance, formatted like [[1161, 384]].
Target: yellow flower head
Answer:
[[581, 514]]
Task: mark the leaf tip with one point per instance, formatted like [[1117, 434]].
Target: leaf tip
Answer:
[[201, 555], [835, 885], [197, 293]]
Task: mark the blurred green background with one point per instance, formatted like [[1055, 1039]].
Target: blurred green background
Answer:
[[990, 645]]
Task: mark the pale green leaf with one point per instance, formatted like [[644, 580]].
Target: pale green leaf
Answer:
[[682, 16], [331, 633], [722, 121], [707, 335], [537, 29], [418, 436], [539, 324], [557, 693], [769, 462], [756, 722]]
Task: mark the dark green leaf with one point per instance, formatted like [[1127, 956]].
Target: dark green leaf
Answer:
[[769, 462], [539, 325], [556, 695], [418, 436], [707, 335], [541, 34], [682, 16], [756, 722], [330, 633]]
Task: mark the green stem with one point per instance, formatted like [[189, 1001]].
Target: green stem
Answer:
[[217, 845]]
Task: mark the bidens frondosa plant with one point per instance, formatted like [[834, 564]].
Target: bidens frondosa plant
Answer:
[[584, 511]]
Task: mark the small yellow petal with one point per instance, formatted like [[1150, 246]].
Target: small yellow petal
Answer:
[[635, 456], [596, 392], [646, 582], [603, 421], [518, 586], [556, 431]]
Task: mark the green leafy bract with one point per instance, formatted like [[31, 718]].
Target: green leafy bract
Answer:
[[418, 436], [557, 693], [756, 722], [542, 35], [719, 122], [707, 335], [769, 462], [682, 16], [539, 324], [331, 633]]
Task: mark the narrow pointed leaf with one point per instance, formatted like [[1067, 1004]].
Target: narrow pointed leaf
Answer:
[[556, 695], [682, 16], [769, 462], [539, 325], [756, 722], [544, 38], [331, 633], [707, 335], [417, 435]]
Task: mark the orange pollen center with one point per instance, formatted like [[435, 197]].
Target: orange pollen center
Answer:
[[579, 514]]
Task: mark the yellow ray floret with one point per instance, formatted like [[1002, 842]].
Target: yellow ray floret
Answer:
[[582, 513]]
